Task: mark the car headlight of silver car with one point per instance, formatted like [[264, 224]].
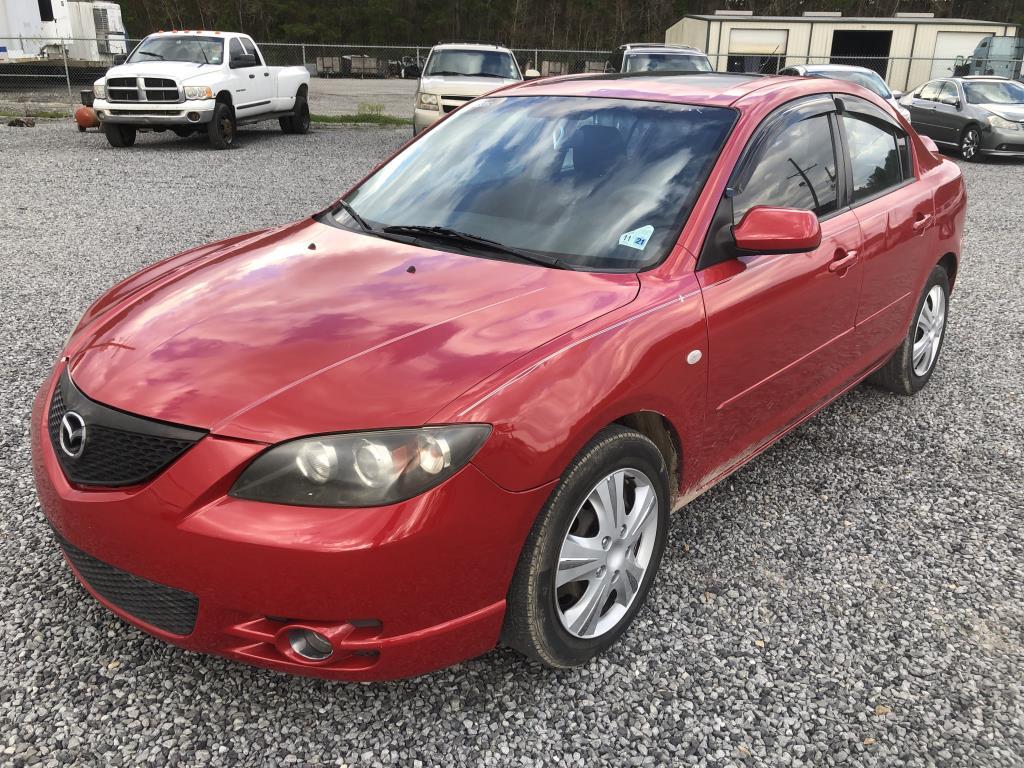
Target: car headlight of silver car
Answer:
[[427, 101], [193, 92], [368, 469], [1002, 124], [99, 91]]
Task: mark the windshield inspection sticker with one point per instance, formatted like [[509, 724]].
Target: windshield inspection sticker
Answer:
[[637, 238]]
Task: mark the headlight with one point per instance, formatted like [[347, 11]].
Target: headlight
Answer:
[[368, 469], [427, 101], [99, 91], [1003, 124], [198, 92]]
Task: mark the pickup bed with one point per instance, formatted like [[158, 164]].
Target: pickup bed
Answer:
[[189, 82]]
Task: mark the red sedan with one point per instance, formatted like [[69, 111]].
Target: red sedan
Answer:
[[457, 408]]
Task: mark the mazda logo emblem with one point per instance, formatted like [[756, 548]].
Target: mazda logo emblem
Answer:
[[72, 434]]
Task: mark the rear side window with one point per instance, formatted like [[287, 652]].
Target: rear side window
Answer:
[[930, 92], [796, 169], [878, 156], [948, 93]]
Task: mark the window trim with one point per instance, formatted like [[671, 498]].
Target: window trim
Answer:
[[861, 109]]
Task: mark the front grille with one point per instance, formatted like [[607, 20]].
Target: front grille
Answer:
[[449, 107], [159, 89], [134, 89], [123, 89], [118, 449], [166, 608]]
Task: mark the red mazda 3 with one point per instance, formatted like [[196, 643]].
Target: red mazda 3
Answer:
[[458, 407]]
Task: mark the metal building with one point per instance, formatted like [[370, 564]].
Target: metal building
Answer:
[[906, 49]]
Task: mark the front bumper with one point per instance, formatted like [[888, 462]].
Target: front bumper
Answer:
[[424, 118], [149, 114], [404, 589], [1000, 142]]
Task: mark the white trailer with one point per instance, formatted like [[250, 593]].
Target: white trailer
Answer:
[[88, 30]]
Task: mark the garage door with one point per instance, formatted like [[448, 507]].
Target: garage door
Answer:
[[949, 45]]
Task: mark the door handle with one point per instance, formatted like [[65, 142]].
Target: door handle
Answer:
[[921, 221], [251, 76], [842, 263], [266, 74]]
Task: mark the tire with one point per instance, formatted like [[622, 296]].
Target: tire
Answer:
[[906, 373], [550, 622], [297, 123], [119, 136], [970, 144], [183, 133], [221, 130]]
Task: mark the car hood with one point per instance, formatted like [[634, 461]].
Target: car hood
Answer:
[[311, 328], [1009, 111], [178, 70], [450, 85]]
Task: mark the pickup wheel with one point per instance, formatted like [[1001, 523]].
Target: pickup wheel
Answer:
[[119, 135], [221, 129], [298, 122]]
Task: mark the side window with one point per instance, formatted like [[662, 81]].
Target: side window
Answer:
[[878, 155], [930, 91], [250, 47], [795, 169], [948, 93]]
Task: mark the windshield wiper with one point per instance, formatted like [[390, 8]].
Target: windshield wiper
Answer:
[[150, 53], [346, 206], [464, 238]]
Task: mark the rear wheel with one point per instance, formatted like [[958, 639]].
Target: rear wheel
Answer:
[[589, 562], [970, 143], [299, 121], [119, 135], [221, 129], [912, 365]]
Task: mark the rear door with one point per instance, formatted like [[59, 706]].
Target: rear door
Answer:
[[780, 326], [895, 212]]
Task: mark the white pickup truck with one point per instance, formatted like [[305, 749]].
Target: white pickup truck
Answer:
[[199, 81]]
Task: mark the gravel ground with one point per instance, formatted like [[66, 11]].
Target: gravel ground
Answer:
[[854, 596]]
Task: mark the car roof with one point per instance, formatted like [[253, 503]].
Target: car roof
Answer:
[[833, 68], [210, 32], [710, 88], [471, 47], [660, 48]]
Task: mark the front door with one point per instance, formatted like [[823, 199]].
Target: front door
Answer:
[[781, 326]]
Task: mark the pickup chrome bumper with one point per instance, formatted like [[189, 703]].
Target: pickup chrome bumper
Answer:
[[154, 114]]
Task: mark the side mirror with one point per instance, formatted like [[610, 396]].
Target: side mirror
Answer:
[[243, 60], [120, 58], [531, 74], [765, 229]]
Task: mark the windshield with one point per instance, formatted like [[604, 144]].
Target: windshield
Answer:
[[198, 50], [602, 184], [473, 64], [994, 93], [666, 62], [870, 80]]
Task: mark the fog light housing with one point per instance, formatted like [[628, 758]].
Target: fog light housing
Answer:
[[309, 644]]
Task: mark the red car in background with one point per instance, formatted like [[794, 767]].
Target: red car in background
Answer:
[[458, 407]]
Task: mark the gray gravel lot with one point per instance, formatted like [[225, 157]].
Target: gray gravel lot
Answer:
[[854, 596]]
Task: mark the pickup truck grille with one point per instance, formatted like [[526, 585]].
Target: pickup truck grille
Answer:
[[136, 89]]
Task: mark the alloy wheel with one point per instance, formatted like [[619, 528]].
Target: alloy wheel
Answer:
[[606, 553], [969, 145], [928, 335]]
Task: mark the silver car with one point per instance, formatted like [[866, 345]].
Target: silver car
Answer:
[[862, 76], [978, 115]]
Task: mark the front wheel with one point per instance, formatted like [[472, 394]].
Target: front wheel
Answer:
[[912, 365], [970, 143], [590, 559], [221, 129], [119, 136]]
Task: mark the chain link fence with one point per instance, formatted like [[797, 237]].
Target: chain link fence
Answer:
[[48, 75]]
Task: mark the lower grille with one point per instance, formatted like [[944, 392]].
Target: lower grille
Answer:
[[116, 449], [166, 608]]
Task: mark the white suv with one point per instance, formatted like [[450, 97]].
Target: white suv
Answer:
[[458, 72]]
